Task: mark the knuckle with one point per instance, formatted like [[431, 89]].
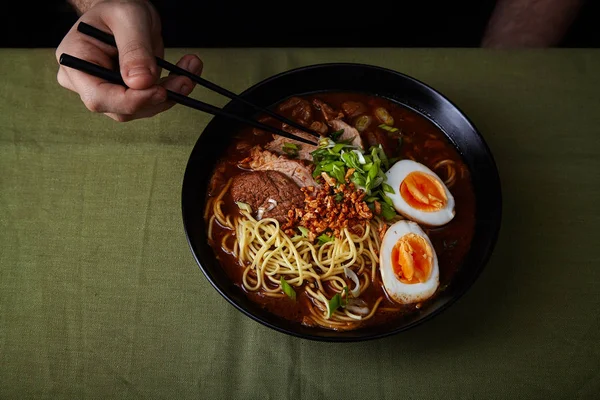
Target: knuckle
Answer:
[[125, 10], [134, 50], [91, 102]]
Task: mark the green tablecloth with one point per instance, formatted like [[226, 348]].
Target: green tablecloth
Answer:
[[101, 298]]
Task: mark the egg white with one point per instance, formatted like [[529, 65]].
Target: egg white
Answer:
[[396, 174], [405, 293]]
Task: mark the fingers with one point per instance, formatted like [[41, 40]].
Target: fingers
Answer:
[[192, 63], [136, 28], [132, 28], [101, 97], [174, 83], [63, 79]]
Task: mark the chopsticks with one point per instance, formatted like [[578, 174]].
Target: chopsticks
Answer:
[[115, 77], [110, 40]]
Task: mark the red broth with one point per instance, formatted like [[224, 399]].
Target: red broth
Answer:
[[421, 141]]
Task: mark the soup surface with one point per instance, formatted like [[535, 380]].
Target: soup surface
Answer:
[[308, 265]]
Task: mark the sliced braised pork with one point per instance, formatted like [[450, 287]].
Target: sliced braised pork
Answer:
[[289, 103], [319, 127], [265, 160], [300, 151], [300, 133], [353, 108], [328, 112], [270, 194], [301, 110]]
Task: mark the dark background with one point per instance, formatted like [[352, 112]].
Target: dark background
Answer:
[[294, 24]]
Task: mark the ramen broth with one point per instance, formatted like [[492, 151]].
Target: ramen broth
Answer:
[[420, 140]]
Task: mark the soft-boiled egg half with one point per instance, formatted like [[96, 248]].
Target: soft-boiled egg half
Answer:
[[408, 263], [420, 194]]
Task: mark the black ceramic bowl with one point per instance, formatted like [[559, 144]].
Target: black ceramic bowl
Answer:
[[358, 78]]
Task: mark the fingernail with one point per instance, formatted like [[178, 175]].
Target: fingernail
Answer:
[[158, 97], [186, 65], [137, 71], [194, 65], [185, 89]]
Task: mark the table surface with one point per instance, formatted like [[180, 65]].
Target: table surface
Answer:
[[100, 296]]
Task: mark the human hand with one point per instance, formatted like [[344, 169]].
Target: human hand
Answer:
[[137, 30]]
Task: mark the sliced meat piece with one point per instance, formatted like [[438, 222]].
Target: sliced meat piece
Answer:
[[377, 137], [328, 112], [353, 108], [289, 103], [319, 127], [297, 132], [265, 160], [302, 113], [301, 109], [272, 191], [303, 153], [350, 133]]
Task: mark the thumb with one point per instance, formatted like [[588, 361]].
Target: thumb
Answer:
[[136, 58]]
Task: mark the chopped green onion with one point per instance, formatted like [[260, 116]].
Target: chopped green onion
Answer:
[[358, 180], [384, 116], [325, 143], [373, 171], [325, 239], [338, 147], [287, 289], [339, 197], [388, 128], [362, 123], [361, 157], [303, 230], [335, 135], [387, 211], [375, 154], [336, 302], [244, 206], [338, 173], [351, 160], [387, 199], [377, 181], [387, 188], [335, 159], [291, 149], [383, 157]]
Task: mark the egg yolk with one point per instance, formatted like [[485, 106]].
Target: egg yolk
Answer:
[[412, 259], [423, 191]]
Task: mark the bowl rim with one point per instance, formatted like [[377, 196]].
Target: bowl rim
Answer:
[[493, 230]]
